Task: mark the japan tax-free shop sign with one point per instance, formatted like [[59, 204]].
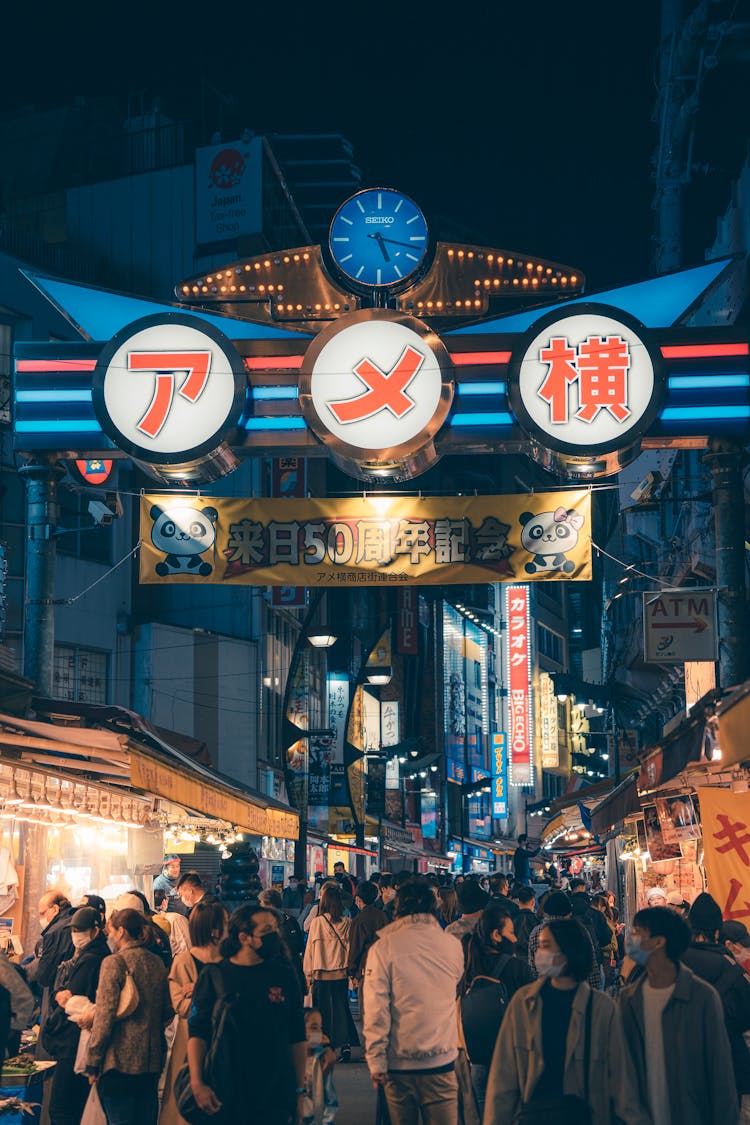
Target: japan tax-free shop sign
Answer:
[[366, 541]]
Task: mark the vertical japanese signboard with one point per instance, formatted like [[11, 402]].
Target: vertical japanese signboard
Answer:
[[548, 725], [499, 746], [407, 619], [725, 818], [338, 706], [389, 736], [519, 685]]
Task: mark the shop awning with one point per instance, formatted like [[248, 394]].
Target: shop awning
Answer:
[[620, 803], [682, 747], [116, 758]]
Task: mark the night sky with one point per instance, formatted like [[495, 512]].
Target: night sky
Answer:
[[524, 126]]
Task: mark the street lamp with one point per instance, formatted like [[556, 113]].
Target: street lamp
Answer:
[[378, 676], [320, 637]]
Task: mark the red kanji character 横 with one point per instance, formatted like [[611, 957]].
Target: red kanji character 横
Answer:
[[603, 365]]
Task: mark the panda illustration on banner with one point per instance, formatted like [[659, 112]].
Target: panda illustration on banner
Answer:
[[183, 535], [548, 536]]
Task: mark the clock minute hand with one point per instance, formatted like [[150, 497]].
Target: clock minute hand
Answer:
[[380, 240]]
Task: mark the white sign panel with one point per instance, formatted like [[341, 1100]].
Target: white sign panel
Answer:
[[338, 709], [168, 387], [679, 625], [228, 191], [586, 382], [550, 736]]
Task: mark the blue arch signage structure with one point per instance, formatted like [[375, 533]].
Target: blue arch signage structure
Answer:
[[617, 371]]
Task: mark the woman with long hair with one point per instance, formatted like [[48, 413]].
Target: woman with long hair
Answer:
[[490, 953], [263, 1051], [126, 1054], [560, 1056], [447, 906], [325, 966], [207, 925]]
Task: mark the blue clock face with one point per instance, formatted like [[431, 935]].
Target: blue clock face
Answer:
[[379, 238]]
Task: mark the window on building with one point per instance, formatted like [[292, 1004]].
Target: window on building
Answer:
[[80, 674], [551, 644], [82, 537]]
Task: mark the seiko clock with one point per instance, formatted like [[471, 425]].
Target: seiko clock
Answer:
[[379, 238]]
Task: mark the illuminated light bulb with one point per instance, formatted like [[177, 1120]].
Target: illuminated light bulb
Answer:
[[209, 280], [261, 288], [525, 281], [439, 304], [186, 289], [490, 257], [535, 281], [450, 253], [510, 261], [287, 259], [336, 308], [429, 304], [460, 253], [270, 288], [318, 308], [243, 288], [296, 257], [299, 308]]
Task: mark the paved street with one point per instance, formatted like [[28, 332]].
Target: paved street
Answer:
[[356, 1095]]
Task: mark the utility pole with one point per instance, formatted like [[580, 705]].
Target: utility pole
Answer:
[[725, 461], [41, 479]]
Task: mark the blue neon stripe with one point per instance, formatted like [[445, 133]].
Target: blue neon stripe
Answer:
[[706, 382], [697, 413], [275, 424], [269, 394], [57, 426], [498, 419], [53, 396], [481, 389]]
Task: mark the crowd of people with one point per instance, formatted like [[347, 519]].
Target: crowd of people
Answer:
[[480, 1001]]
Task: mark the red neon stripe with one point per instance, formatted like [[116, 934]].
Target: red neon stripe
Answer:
[[273, 362], [704, 351], [479, 359], [55, 364]]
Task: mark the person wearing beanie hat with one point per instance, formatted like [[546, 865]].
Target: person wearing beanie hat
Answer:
[[656, 896], [558, 905], [471, 902], [708, 959], [78, 976]]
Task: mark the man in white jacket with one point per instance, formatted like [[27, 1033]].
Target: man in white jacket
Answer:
[[410, 1028]]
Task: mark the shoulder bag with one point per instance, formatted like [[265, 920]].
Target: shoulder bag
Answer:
[[568, 1109], [187, 1106], [129, 998]]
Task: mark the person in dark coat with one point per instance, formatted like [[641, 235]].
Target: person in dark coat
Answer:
[[499, 893], [525, 919], [362, 934], [522, 858], [710, 961], [593, 920], [55, 946], [78, 976], [290, 932]]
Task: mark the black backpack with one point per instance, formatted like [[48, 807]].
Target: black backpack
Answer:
[[217, 1066], [482, 1009]]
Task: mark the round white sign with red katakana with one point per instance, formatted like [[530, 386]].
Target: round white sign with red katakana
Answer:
[[376, 384], [586, 382], [168, 388]]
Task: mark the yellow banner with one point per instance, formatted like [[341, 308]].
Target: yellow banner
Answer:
[[211, 800], [366, 541], [725, 819]]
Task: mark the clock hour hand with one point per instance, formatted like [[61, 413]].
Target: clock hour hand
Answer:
[[380, 240]]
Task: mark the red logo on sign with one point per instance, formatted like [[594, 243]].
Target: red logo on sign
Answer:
[[386, 390], [600, 366], [165, 366]]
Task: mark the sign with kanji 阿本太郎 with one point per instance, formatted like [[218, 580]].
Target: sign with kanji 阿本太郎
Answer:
[[366, 541], [725, 820]]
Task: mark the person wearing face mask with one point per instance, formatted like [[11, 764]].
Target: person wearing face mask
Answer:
[[78, 976], [490, 957], [674, 1029], [560, 1057], [736, 939], [263, 1063], [325, 966]]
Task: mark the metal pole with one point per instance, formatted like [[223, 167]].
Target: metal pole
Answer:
[[725, 461], [41, 554]]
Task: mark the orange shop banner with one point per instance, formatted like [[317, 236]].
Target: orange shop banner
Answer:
[[366, 540], [725, 818]]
